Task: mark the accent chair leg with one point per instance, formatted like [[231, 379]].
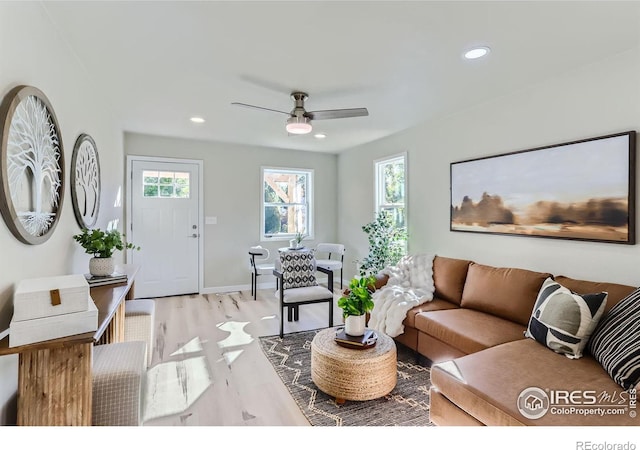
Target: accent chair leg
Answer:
[[331, 313], [281, 323], [255, 287], [331, 301]]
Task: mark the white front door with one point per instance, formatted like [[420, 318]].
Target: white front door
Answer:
[[165, 223]]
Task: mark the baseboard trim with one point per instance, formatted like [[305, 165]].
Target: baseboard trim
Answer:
[[247, 287], [234, 288]]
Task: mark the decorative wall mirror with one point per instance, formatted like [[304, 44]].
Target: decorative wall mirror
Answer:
[[31, 165], [85, 181]]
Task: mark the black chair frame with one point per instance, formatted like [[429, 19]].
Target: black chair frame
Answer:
[[341, 268], [255, 275], [293, 312]]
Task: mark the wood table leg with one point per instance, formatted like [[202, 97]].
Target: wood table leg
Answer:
[[340, 401], [115, 330], [55, 386]]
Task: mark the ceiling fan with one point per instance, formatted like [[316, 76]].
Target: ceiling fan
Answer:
[[299, 121]]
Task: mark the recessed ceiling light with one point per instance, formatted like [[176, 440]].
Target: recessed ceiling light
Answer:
[[320, 135], [477, 52], [197, 120]]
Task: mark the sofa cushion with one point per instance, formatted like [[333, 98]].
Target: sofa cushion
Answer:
[[467, 330], [487, 384], [615, 343], [505, 292], [449, 275], [616, 291], [434, 305], [563, 320]]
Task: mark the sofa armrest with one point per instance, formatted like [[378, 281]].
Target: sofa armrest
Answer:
[[381, 280]]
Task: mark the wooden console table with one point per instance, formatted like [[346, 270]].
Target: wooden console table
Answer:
[[54, 377]]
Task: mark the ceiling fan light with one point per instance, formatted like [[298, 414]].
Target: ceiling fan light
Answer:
[[298, 125]]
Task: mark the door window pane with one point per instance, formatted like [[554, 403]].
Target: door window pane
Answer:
[[165, 184]]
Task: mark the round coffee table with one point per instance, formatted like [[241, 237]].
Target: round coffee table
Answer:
[[353, 374]]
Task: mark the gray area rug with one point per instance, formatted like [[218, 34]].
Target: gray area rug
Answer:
[[406, 405]]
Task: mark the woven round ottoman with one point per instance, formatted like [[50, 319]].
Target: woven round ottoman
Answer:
[[353, 374]]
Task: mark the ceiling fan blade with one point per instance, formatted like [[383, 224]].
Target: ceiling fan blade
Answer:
[[337, 113], [260, 107]]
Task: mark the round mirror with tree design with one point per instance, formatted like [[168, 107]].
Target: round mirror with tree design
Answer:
[[32, 165], [85, 181]]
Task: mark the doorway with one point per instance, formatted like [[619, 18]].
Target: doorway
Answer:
[[164, 218]]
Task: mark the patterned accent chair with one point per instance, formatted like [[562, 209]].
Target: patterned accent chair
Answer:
[[295, 274]]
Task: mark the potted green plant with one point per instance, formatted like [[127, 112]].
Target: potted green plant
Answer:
[[387, 244], [296, 242], [102, 244], [356, 302]]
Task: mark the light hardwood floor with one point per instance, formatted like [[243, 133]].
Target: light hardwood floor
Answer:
[[208, 367]]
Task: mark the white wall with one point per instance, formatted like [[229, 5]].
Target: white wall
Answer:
[[232, 193], [600, 99], [32, 53]]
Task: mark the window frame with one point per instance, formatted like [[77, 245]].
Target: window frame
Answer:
[[378, 164], [310, 174]]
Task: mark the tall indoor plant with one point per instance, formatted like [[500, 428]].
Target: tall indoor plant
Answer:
[[387, 244], [102, 244], [356, 302]]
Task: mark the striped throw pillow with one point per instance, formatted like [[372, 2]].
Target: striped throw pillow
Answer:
[[615, 343]]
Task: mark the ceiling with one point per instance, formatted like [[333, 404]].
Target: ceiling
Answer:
[[162, 62]]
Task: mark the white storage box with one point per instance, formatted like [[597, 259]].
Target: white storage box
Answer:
[[52, 296], [23, 332]]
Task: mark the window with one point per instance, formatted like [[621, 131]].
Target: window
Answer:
[[390, 188], [165, 184], [286, 203]]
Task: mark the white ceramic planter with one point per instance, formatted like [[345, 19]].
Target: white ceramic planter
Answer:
[[101, 267], [355, 325]]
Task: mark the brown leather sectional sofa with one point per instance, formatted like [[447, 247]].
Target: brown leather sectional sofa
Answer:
[[473, 332]]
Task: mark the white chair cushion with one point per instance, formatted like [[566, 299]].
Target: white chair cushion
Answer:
[[336, 249], [265, 269], [329, 264], [260, 252], [305, 293]]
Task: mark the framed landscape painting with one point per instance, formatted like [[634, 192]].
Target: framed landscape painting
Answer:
[[582, 190]]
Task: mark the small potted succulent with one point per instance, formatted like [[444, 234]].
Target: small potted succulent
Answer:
[[356, 302], [296, 242], [102, 244]]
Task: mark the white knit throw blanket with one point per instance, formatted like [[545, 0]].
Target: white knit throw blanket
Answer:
[[410, 284]]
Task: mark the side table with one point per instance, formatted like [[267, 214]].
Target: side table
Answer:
[[353, 374]]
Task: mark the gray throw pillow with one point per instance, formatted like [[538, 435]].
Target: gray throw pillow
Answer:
[[563, 320]]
